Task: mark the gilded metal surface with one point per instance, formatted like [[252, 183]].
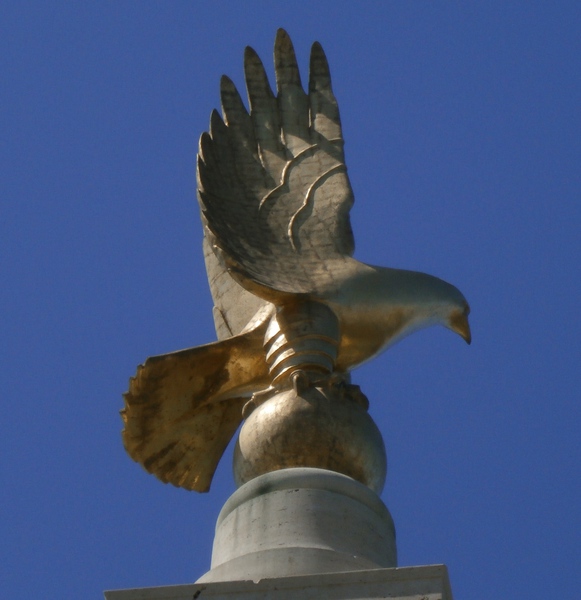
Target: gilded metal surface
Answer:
[[316, 426], [275, 201], [183, 408], [303, 336]]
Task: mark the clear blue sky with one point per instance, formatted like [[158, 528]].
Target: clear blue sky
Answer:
[[463, 142]]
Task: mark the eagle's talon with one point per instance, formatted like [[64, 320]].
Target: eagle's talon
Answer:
[[248, 408], [300, 381], [354, 393]]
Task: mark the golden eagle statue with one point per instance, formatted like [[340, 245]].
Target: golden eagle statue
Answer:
[[289, 297]]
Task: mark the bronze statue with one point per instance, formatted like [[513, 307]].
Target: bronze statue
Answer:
[[294, 311]]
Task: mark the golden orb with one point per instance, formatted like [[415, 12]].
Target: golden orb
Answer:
[[316, 427]]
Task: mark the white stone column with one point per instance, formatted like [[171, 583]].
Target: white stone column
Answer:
[[301, 521]]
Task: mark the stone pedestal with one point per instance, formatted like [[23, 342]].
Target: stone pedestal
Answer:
[[304, 533], [300, 522]]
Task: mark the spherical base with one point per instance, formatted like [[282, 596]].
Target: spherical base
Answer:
[[314, 427]]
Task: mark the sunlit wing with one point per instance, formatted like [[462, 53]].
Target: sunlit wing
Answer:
[[183, 408], [272, 185]]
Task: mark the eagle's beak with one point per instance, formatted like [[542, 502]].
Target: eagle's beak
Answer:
[[459, 324]]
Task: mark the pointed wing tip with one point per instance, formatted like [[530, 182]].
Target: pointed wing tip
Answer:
[[283, 45], [204, 152], [233, 108], [318, 54], [285, 62], [282, 41], [204, 143], [316, 47], [282, 34], [319, 73], [216, 123], [252, 62], [226, 83], [250, 54]]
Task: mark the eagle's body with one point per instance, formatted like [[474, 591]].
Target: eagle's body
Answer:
[[275, 202]]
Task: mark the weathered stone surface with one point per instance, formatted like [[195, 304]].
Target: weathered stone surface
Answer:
[[299, 522], [409, 583]]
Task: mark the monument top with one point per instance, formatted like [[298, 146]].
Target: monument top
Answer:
[[294, 311]]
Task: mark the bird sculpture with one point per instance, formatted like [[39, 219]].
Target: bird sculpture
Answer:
[[289, 298]]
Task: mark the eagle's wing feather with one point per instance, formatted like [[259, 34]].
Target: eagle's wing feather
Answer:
[[182, 408], [265, 116], [293, 103], [272, 182]]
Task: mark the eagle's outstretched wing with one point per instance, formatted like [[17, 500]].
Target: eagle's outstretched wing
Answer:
[[182, 408], [272, 183]]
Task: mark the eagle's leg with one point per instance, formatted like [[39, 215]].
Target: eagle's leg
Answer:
[[311, 415], [302, 336]]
